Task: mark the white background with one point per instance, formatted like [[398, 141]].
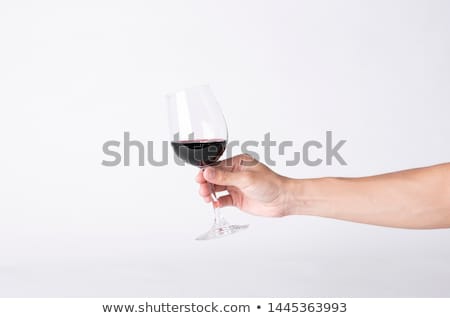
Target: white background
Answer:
[[75, 74]]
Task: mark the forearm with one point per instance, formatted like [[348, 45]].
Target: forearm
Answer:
[[417, 198]]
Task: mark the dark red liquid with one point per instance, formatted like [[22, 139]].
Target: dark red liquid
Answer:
[[199, 152]]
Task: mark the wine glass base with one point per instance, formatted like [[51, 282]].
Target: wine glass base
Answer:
[[221, 231]]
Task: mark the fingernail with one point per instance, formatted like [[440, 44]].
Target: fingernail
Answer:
[[210, 173]]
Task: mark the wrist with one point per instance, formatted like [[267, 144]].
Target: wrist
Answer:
[[293, 189], [306, 196]]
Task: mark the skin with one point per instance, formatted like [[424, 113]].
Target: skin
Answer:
[[414, 199]]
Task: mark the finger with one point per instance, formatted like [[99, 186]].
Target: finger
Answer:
[[233, 162], [220, 176], [219, 188], [205, 189], [207, 199], [226, 200], [201, 180], [199, 177]]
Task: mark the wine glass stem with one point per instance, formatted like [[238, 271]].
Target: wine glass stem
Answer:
[[218, 219]]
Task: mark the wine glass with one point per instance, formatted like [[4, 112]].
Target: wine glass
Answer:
[[199, 137]]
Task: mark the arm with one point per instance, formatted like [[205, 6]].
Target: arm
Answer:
[[417, 198]]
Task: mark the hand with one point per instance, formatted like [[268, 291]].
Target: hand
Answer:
[[252, 187]]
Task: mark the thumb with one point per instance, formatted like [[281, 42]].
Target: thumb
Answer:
[[223, 177]]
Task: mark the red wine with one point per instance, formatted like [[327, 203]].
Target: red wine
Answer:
[[199, 152]]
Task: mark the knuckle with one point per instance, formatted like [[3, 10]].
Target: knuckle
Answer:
[[246, 160], [246, 156]]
